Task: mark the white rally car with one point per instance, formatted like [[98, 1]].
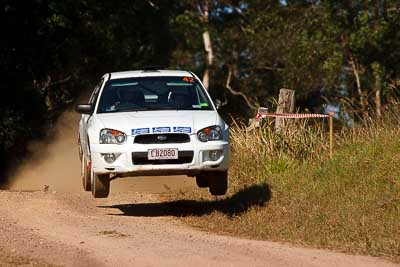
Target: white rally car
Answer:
[[152, 122]]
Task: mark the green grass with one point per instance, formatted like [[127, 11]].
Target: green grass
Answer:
[[350, 203]]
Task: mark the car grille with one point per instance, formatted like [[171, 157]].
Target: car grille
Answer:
[[140, 158], [166, 138]]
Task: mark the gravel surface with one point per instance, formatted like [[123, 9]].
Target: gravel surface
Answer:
[[73, 229]]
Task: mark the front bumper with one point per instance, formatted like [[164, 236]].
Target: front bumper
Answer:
[[124, 166]]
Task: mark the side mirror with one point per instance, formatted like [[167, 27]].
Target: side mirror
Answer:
[[218, 103], [84, 108]]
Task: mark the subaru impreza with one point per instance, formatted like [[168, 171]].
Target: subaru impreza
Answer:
[[152, 122]]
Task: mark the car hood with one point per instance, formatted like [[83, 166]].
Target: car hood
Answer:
[[138, 122]]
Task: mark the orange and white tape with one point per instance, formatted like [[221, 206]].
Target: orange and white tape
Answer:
[[261, 115]]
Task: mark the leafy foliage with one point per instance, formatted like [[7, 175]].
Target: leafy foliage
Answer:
[[51, 51]]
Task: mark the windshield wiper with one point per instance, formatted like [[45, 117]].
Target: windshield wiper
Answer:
[[130, 109]]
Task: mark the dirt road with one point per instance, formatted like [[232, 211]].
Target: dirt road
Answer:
[[66, 226], [130, 229]]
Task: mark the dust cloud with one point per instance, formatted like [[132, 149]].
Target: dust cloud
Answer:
[[55, 166], [55, 163]]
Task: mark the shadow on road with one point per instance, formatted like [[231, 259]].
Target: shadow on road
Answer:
[[243, 200]]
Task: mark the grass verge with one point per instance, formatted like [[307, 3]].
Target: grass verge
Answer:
[[283, 188]]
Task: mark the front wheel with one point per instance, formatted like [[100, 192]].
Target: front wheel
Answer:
[[101, 185], [202, 180], [218, 183]]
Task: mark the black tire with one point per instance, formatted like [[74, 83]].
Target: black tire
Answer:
[[218, 183], [86, 174], [101, 185], [202, 181]]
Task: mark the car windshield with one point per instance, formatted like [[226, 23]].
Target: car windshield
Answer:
[[153, 93]]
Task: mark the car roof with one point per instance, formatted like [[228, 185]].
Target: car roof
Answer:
[[149, 73]]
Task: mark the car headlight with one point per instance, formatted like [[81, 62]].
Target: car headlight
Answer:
[[211, 133], [109, 136]]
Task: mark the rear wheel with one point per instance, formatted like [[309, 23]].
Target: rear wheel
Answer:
[[218, 183], [101, 185], [86, 173], [202, 180]]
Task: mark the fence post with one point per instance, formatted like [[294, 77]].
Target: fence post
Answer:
[[331, 134], [285, 105]]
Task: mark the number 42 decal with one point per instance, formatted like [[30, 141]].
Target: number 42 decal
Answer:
[[188, 79]]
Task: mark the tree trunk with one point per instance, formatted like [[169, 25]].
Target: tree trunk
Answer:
[[378, 89], [210, 57], [207, 47], [358, 83], [286, 104], [235, 92], [206, 79]]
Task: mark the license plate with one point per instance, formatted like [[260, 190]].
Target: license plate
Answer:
[[162, 153]]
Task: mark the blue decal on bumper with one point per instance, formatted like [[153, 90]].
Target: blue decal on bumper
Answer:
[[140, 131], [161, 129], [182, 129]]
